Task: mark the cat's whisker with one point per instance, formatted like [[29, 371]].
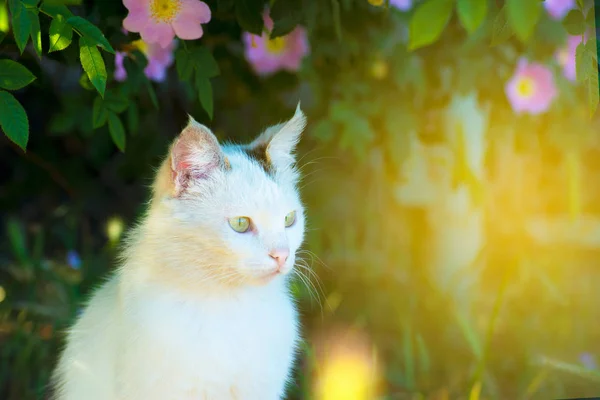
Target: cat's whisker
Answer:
[[301, 166], [312, 289], [314, 161], [314, 257], [313, 275], [309, 286], [311, 173]]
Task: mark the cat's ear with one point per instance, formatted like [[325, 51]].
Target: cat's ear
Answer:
[[194, 155], [279, 141]]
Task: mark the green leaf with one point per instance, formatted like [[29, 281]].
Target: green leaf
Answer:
[[471, 13], [21, 23], [592, 92], [62, 123], [523, 15], [13, 120], [574, 23], [84, 82], [286, 15], [424, 359], [64, 2], [4, 18], [92, 64], [36, 33], [205, 93], [117, 132], [55, 10], [581, 62], [61, 34], [409, 362], [152, 93], [590, 19], [99, 113], [586, 60], [14, 76], [356, 133], [249, 15], [501, 30], [324, 130], [428, 22], [93, 35], [204, 62], [470, 334], [2, 36], [133, 119], [184, 65], [116, 101], [16, 236]]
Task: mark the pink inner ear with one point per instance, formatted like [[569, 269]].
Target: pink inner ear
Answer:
[[195, 154], [182, 152], [183, 165]]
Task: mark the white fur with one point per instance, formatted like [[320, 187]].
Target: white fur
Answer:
[[190, 315]]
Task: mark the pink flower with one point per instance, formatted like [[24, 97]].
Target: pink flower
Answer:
[[120, 71], [159, 21], [159, 60], [566, 57], [531, 89], [270, 55], [559, 8], [403, 5]]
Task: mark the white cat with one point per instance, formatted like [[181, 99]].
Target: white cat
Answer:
[[200, 307]]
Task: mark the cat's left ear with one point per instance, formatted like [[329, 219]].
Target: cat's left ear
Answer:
[[195, 155], [279, 141]]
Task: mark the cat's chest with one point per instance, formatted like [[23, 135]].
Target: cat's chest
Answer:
[[223, 337]]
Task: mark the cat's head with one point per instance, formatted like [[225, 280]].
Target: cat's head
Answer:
[[228, 214]]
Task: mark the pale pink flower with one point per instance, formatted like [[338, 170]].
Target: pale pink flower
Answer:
[[531, 89], [120, 71], [403, 5], [565, 57], [159, 21], [559, 8], [270, 55], [159, 60]]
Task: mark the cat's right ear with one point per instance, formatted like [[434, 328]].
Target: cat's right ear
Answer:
[[194, 155]]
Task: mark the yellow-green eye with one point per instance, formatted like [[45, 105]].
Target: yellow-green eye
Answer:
[[290, 219], [240, 224]]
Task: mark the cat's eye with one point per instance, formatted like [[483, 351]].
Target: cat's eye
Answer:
[[240, 224], [290, 219]]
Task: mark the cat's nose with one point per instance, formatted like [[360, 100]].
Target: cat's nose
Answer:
[[280, 255]]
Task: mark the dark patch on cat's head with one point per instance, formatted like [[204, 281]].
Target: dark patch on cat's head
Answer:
[[258, 153]]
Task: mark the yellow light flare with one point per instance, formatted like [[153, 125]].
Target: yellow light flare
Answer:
[[380, 69], [345, 378], [346, 368], [114, 229]]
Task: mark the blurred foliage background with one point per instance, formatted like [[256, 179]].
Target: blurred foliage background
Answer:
[[450, 175]]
